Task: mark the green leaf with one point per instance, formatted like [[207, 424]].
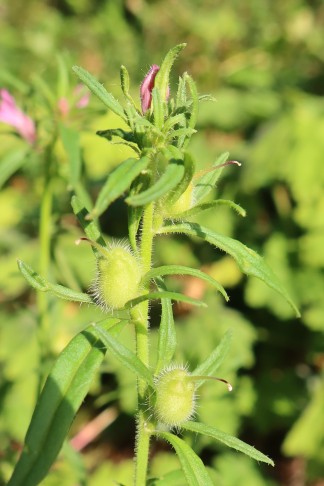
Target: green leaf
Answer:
[[210, 205], [167, 334], [207, 182], [179, 119], [192, 466], [169, 179], [40, 283], [141, 183], [124, 81], [172, 478], [248, 260], [181, 270], [215, 359], [158, 108], [100, 91], [189, 169], [11, 162], [165, 295], [90, 227], [162, 77], [71, 143], [125, 355], [64, 391], [195, 101], [181, 97], [228, 440], [118, 181]]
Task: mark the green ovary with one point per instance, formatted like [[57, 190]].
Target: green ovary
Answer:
[[175, 397], [119, 276]]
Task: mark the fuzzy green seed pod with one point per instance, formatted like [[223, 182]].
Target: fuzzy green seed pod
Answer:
[[118, 277], [175, 397]]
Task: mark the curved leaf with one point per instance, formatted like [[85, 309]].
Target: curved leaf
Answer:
[[125, 355], [90, 227], [192, 466], [228, 440], [215, 359], [248, 260], [118, 181], [168, 180], [63, 393], [162, 77], [40, 283], [210, 205], [181, 270], [100, 91], [165, 295], [207, 182], [189, 169]]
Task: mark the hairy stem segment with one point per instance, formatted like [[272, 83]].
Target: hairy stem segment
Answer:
[[140, 315]]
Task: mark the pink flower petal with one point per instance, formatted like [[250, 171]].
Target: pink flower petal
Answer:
[[13, 116], [147, 87]]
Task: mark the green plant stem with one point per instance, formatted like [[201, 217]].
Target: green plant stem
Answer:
[[45, 227], [140, 316]]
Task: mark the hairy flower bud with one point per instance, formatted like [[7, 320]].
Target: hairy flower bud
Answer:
[[147, 87]]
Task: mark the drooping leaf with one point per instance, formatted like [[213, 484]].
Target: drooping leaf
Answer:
[[167, 334], [63, 393], [181, 270], [40, 283], [100, 91], [125, 355], [215, 359], [168, 180], [248, 260], [118, 181], [210, 205], [228, 440], [192, 466]]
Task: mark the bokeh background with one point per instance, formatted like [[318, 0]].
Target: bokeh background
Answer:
[[263, 62]]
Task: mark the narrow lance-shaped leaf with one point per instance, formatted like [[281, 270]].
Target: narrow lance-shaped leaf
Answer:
[[63, 393], [118, 181], [162, 77], [189, 169], [168, 180], [192, 466], [248, 260], [124, 81], [181, 270], [135, 213], [125, 355], [210, 205], [165, 295], [215, 359], [158, 108], [40, 283], [167, 333], [90, 227], [100, 91], [207, 182], [195, 101], [228, 440]]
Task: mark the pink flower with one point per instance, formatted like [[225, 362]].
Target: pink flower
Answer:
[[147, 87], [80, 99], [12, 115]]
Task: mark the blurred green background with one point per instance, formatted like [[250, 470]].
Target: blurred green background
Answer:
[[263, 62]]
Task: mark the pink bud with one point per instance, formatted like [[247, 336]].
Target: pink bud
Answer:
[[83, 96], [12, 115], [147, 87]]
